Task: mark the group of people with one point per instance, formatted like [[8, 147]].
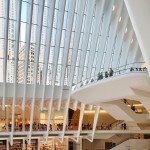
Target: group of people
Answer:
[[103, 126], [86, 127], [110, 73], [107, 74], [43, 127], [123, 126], [100, 76], [138, 69]]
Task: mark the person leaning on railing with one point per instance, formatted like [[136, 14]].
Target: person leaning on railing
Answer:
[[100, 76], [111, 72], [106, 74]]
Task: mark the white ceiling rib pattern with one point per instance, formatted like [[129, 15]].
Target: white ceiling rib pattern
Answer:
[[79, 29], [60, 43]]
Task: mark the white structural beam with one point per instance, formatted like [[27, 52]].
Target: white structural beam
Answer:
[[36, 62], [81, 6], [17, 30], [98, 18], [6, 118], [65, 116], [95, 121], [97, 111], [27, 49], [86, 35], [126, 48], [141, 25], [112, 36], [105, 27], [120, 42], [74, 57], [71, 8], [6, 23], [80, 121], [55, 62], [50, 18]]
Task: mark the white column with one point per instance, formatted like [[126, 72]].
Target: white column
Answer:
[[95, 121], [53, 117], [6, 25], [7, 144], [23, 144], [80, 142], [139, 14], [80, 121], [7, 118], [67, 143], [53, 144], [23, 120], [38, 143]]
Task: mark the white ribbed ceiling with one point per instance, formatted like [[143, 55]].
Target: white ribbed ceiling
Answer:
[[61, 42]]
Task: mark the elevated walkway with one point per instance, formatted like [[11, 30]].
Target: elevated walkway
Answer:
[[99, 134], [112, 88]]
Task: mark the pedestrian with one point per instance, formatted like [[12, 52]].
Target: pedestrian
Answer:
[[106, 74], [125, 126], [111, 72]]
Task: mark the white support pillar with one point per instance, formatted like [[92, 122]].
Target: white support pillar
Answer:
[[80, 121], [23, 144], [53, 144], [80, 143], [95, 121], [66, 48], [23, 120], [50, 19], [37, 47], [27, 49], [17, 33], [38, 144], [55, 61], [6, 25], [7, 144], [141, 25], [7, 118], [65, 117], [67, 143]]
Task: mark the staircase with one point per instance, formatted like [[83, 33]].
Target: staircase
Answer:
[[133, 144], [120, 111]]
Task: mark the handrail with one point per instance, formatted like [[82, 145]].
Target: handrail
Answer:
[[134, 108], [114, 124], [124, 140], [116, 71]]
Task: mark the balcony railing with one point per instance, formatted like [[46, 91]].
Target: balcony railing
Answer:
[[133, 67]]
